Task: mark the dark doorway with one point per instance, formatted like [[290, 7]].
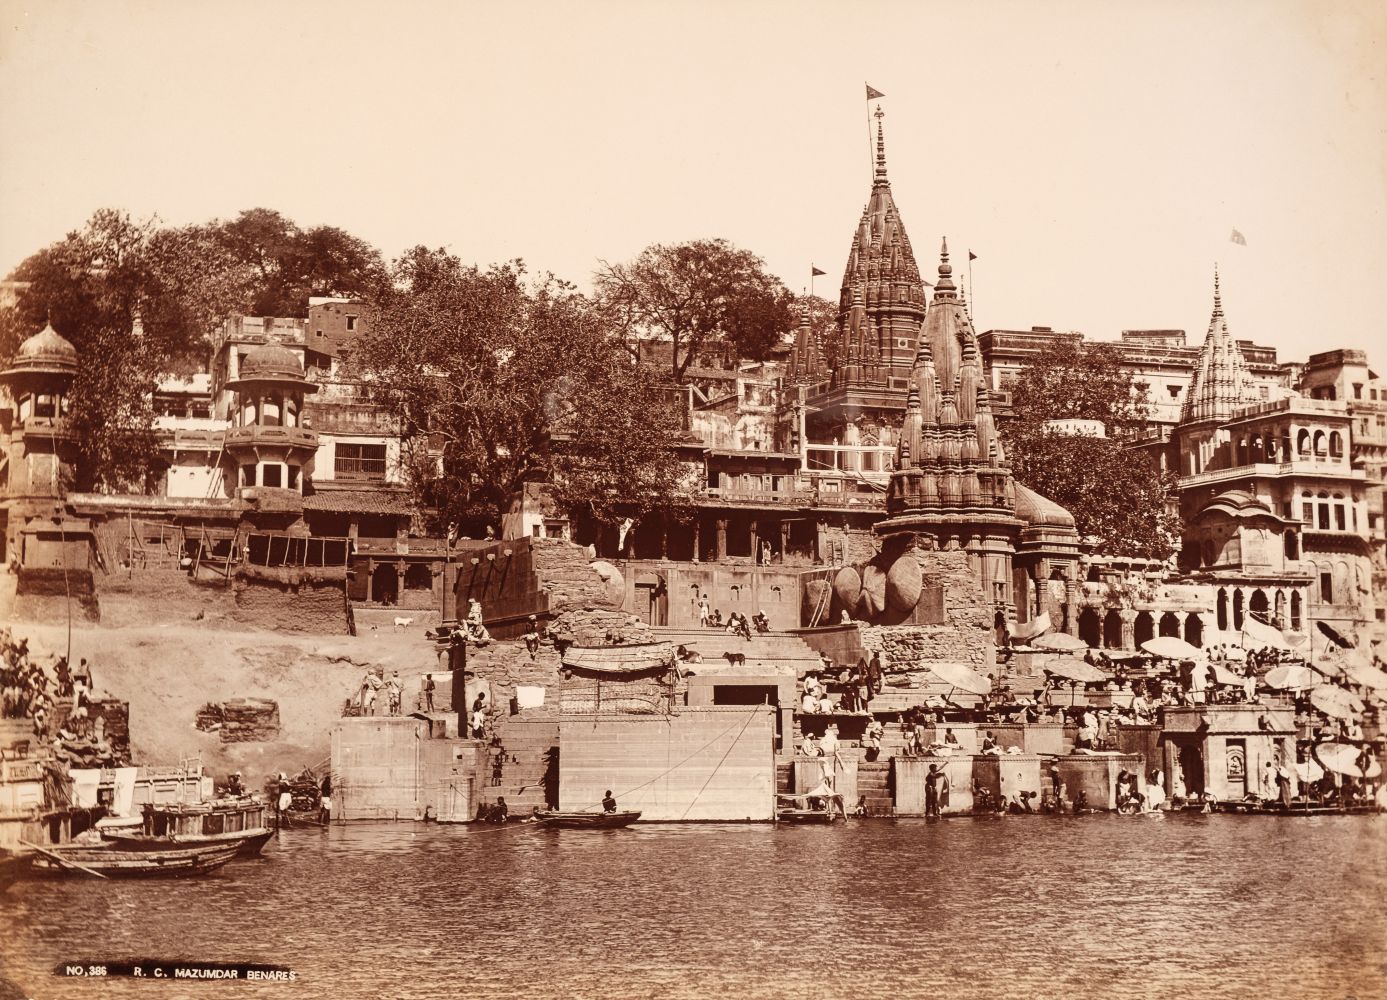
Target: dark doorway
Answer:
[[1144, 629], [1090, 630], [385, 585]]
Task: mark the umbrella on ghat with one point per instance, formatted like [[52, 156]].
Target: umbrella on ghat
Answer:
[[1222, 675], [1337, 637], [1334, 701], [1290, 677], [1171, 648], [1339, 758], [1367, 676], [1076, 670], [1060, 642], [961, 677], [1259, 633], [1027, 631]]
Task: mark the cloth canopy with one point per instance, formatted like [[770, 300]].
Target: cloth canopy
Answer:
[[1029, 630], [1222, 675], [626, 659], [1260, 635], [1339, 758]]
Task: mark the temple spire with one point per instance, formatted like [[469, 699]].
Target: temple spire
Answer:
[[1218, 301], [881, 148]]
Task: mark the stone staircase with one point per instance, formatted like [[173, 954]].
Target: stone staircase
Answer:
[[763, 653], [873, 779], [526, 741]]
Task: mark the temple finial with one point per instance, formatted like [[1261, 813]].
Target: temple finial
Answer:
[[881, 145], [1218, 301]]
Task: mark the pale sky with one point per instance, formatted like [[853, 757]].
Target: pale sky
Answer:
[[1096, 156]]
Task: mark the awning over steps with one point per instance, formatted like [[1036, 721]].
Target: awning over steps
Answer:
[[624, 659]]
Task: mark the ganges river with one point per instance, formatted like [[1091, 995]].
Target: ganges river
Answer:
[[1099, 906]]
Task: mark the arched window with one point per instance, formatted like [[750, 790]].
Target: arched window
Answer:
[[1194, 630], [1222, 610], [1170, 624], [1320, 445], [1295, 611], [1302, 442], [1143, 629], [1336, 444], [1112, 629], [1238, 609]]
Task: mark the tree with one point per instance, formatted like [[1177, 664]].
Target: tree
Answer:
[[1118, 495], [698, 296], [92, 286], [291, 264], [499, 381]]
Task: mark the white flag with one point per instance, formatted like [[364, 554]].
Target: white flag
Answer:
[[1238, 238]]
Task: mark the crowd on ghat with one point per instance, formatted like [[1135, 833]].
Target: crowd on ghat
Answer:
[[55, 698]]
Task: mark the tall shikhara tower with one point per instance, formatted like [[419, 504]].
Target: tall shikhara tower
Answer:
[[880, 308], [1222, 382], [951, 477]]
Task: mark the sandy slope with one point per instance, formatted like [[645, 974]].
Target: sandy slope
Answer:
[[166, 672]]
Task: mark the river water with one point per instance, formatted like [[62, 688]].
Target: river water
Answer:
[[1100, 906]]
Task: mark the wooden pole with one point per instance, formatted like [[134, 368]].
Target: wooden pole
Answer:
[[62, 860]]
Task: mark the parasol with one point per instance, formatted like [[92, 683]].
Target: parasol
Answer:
[[1367, 676], [961, 677], [1171, 648], [1309, 772], [1335, 701], [1339, 758], [1338, 637], [1290, 676], [1263, 635], [1060, 642], [1076, 670]]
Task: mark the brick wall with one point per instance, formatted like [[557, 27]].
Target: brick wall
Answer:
[[703, 764], [539, 576]]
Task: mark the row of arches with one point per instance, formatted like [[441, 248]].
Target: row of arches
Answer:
[[1105, 632], [1277, 608]]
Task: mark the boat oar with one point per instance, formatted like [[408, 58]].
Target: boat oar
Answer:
[[62, 860]]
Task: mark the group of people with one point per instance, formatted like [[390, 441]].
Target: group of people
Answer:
[[375, 685], [30, 690], [855, 686], [736, 623]]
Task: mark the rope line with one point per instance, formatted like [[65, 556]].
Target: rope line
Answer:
[[750, 715]]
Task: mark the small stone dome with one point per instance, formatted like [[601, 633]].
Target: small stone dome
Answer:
[[1238, 504], [271, 361], [46, 352], [1040, 511]]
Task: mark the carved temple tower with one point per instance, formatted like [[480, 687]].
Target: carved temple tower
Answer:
[[856, 379], [951, 481]]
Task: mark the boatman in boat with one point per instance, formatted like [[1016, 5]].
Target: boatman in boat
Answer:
[[233, 784], [608, 802]]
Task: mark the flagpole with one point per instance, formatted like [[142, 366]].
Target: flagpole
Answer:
[[972, 302], [871, 158]]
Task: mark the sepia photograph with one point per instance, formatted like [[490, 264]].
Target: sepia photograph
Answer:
[[739, 500]]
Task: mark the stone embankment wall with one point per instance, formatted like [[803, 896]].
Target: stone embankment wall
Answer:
[[161, 597]]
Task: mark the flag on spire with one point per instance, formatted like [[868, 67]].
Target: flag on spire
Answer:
[[972, 255], [814, 272], [1238, 238], [873, 93]]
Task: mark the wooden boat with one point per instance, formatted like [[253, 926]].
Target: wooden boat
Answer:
[[238, 821], [822, 808], [109, 860], [587, 820]]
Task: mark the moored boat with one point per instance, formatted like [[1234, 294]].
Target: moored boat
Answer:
[[587, 820], [238, 821], [108, 860]]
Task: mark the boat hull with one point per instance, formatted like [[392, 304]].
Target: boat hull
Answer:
[[113, 862], [248, 843], [589, 821]]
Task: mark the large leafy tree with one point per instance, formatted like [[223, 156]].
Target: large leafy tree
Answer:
[[701, 296], [1120, 498], [137, 301], [291, 264], [501, 380]]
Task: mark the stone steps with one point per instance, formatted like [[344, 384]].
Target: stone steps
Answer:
[[529, 741]]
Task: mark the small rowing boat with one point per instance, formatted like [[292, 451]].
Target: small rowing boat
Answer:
[[587, 820], [816, 808], [108, 860]]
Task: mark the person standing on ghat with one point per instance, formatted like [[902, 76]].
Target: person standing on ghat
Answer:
[[429, 687], [932, 791]]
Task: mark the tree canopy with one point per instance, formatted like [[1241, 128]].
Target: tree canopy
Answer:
[[1119, 495], [290, 264], [501, 380], [699, 296], [137, 301]]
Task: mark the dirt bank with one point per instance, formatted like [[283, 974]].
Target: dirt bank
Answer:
[[166, 672]]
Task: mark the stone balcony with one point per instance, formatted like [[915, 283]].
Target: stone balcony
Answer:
[[1273, 470], [263, 436]]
